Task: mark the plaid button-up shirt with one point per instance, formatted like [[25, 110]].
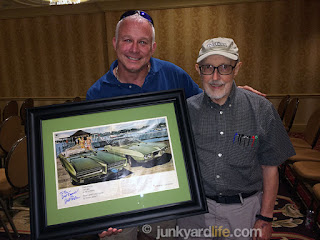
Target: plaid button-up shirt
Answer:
[[235, 139]]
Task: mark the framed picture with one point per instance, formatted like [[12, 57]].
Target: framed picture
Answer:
[[118, 162]]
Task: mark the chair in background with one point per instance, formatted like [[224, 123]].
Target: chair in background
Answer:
[[283, 106], [14, 178], [290, 113], [10, 131], [27, 103], [76, 99], [11, 109], [316, 194], [303, 148], [307, 174], [311, 133], [308, 171], [4, 225], [302, 155], [305, 154]]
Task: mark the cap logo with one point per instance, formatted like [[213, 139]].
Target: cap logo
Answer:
[[216, 44], [219, 46]]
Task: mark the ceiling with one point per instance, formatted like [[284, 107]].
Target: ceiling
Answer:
[[16, 4], [20, 4]]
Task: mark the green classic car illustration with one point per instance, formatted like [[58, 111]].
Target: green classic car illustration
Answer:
[[138, 153], [92, 166]]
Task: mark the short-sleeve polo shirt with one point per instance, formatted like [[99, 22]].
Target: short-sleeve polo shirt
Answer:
[[163, 75]]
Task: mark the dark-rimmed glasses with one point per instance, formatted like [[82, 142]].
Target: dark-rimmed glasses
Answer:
[[223, 69], [141, 13]]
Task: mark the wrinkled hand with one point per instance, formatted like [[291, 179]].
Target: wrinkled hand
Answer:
[[265, 230], [110, 232], [246, 87]]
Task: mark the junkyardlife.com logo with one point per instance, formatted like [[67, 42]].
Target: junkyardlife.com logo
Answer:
[[209, 232]]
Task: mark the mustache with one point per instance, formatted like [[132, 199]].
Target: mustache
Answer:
[[216, 82]]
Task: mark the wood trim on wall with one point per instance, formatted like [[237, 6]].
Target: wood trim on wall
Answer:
[[269, 96], [299, 95], [58, 98]]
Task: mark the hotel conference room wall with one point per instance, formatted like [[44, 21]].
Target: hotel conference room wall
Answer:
[[57, 57]]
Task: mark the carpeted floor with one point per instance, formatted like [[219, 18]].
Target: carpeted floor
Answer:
[[289, 217]]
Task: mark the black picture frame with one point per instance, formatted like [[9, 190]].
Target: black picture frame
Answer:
[[47, 221]]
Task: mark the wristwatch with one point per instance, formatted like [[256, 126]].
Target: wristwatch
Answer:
[[266, 219]]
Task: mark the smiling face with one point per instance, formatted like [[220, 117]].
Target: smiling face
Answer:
[[134, 44], [217, 86]]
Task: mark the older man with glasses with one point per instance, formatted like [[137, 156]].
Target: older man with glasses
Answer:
[[240, 141]]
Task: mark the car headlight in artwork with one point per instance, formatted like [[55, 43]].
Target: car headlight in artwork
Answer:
[[163, 150], [148, 156]]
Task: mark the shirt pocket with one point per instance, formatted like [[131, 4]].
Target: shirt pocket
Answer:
[[243, 152]]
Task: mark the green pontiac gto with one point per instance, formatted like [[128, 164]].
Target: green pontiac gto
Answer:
[[139, 153], [92, 166]]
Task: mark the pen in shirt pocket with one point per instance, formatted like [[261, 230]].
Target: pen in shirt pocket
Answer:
[[245, 140]]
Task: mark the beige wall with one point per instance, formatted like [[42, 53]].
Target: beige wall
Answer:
[[59, 56]]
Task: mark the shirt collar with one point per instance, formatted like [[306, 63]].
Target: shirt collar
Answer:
[[111, 78], [154, 67]]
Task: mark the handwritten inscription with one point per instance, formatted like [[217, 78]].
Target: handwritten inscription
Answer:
[[68, 196]]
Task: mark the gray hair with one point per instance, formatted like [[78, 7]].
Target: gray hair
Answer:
[[137, 17]]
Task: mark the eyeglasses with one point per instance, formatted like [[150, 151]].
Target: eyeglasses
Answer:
[[141, 13], [222, 69]]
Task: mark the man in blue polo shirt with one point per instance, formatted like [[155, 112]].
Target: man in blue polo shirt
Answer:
[[136, 71]]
